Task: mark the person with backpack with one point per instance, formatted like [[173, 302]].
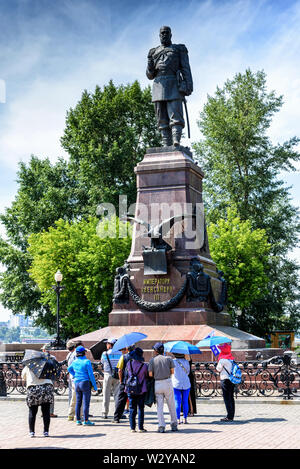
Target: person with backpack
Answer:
[[122, 394], [225, 367], [136, 388]]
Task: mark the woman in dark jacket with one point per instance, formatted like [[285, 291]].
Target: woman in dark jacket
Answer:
[[136, 366]]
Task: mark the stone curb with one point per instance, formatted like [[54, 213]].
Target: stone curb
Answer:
[[239, 400]]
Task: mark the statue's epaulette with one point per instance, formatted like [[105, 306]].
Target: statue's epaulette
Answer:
[[152, 51], [182, 48]]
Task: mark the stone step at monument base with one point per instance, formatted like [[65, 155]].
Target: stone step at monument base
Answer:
[[177, 316], [244, 346]]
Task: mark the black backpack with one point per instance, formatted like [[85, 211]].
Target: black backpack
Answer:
[[133, 385]]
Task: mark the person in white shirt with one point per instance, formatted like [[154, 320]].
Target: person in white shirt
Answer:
[[71, 346], [224, 367], [111, 383], [182, 385]]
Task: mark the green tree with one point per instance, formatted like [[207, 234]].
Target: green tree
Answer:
[[242, 169], [106, 135], [242, 254], [44, 195], [88, 264]]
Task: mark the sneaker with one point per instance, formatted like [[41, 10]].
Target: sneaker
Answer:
[[46, 434], [70, 418], [78, 422], [32, 434], [133, 431], [116, 421], [88, 423], [226, 419], [174, 427], [142, 430], [161, 430], [104, 416]]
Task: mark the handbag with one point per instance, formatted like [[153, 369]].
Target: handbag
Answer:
[[115, 371]]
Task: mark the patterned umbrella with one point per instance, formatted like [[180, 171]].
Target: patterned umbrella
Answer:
[[32, 355], [42, 365]]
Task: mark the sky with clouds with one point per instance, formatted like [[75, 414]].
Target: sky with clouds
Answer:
[[51, 50]]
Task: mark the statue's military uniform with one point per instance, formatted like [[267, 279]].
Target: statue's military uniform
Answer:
[[169, 67]]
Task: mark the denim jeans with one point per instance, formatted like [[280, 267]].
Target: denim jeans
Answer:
[[83, 396], [228, 396], [182, 397], [136, 403]]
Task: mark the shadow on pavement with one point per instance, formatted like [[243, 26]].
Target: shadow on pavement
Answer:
[[93, 435], [244, 421]]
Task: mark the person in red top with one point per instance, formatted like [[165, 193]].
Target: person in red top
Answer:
[[137, 401], [224, 367]]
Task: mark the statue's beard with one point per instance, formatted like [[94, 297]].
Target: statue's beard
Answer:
[[165, 42]]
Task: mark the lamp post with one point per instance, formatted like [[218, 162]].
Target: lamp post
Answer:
[[58, 343], [239, 313]]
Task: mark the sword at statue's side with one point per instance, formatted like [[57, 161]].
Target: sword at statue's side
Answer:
[[187, 117]]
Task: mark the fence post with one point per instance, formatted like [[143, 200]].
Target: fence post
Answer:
[[3, 390]]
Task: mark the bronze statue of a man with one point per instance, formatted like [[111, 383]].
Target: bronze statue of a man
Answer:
[[168, 66]]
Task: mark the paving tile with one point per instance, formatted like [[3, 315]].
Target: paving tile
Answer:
[[264, 426]]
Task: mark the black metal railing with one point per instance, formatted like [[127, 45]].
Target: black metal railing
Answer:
[[276, 377]]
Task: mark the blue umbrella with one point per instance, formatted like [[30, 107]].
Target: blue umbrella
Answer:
[[127, 340], [179, 346], [214, 340]]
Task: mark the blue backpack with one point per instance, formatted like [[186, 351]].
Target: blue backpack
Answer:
[[236, 373]]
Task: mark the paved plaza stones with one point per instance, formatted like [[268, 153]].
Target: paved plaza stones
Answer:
[[259, 424]]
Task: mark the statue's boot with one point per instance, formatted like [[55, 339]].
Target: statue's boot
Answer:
[[166, 137], [176, 135]]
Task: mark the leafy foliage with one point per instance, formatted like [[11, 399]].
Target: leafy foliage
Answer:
[[242, 169], [242, 254], [106, 135], [88, 263]]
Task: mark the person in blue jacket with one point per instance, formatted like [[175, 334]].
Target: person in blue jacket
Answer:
[[84, 379]]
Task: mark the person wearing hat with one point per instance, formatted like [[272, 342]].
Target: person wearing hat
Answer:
[[45, 350], [122, 394], [138, 368], [84, 379], [182, 385], [111, 383], [39, 393], [161, 369], [71, 346]]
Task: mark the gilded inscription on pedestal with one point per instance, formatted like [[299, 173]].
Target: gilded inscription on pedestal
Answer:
[[156, 287]]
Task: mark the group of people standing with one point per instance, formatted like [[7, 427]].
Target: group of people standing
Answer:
[[131, 380], [169, 377]]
